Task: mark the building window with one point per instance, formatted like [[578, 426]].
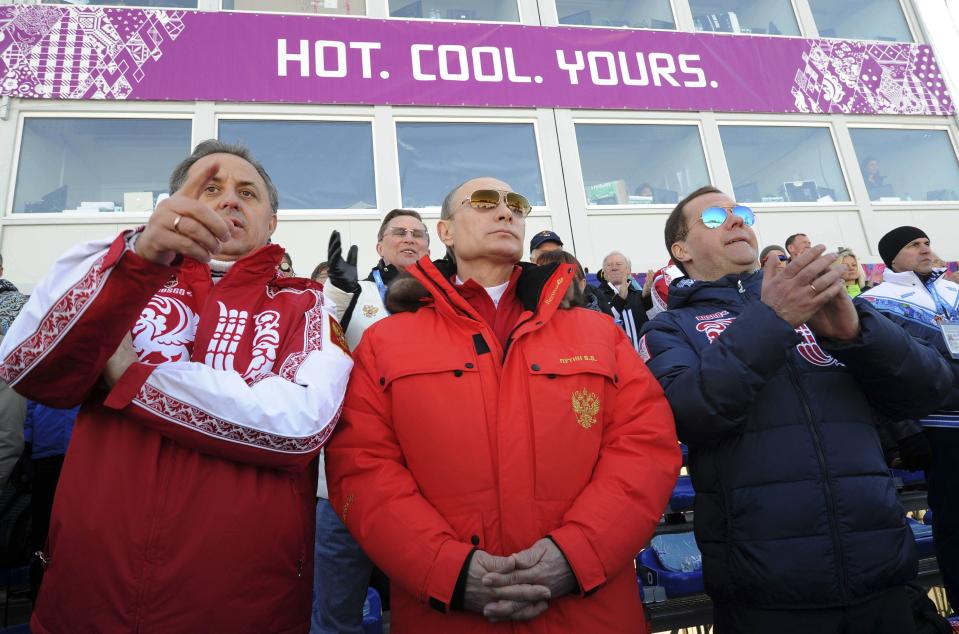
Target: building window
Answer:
[[861, 19], [488, 10], [160, 4], [97, 164], [907, 164], [436, 157], [775, 164], [767, 17], [314, 164], [636, 14], [320, 7], [619, 168]]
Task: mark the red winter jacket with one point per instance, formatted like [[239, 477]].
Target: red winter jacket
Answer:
[[186, 499], [449, 442]]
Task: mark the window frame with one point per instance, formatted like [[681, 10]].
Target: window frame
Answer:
[[554, 20], [766, 123], [654, 208], [319, 213], [507, 118], [898, 204], [98, 217]]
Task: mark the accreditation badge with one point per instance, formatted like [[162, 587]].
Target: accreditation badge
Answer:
[[950, 332]]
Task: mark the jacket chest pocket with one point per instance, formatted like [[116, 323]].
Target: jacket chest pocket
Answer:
[[569, 402], [438, 414]]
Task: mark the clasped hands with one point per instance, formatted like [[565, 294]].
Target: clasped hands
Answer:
[[520, 586]]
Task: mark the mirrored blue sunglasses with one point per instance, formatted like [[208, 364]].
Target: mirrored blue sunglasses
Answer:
[[714, 217]]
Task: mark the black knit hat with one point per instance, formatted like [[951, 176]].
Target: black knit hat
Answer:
[[892, 243]]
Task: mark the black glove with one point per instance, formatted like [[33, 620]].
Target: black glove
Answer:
[[342, 272], [915, 452]]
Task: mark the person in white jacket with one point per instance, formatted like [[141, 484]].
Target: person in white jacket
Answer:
[[341, 569]]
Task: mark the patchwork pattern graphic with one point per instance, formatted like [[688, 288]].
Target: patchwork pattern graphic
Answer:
[[83, 53], [870, 78]]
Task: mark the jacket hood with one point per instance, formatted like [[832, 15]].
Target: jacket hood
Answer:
[[687, 292], [408, 292]]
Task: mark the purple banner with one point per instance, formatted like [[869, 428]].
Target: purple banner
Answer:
[[54, 52]]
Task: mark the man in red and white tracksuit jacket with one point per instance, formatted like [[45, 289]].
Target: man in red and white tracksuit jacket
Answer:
[[186, 499]]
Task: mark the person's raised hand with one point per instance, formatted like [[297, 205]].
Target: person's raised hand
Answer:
[[648, 284], [540, 565], [343, 274], [800, 289], [525, 600], [182, 225]]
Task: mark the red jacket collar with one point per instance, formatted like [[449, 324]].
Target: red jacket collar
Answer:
[[256, 267]]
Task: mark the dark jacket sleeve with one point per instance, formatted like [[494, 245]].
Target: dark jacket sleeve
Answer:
[[904, 376], [712, 391]]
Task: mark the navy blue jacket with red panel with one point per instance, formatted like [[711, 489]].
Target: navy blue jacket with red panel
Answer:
[[794, 503]]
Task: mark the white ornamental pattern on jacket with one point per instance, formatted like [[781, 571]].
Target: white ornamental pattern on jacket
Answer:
[[265, 342], [165, 331], [230, 326]]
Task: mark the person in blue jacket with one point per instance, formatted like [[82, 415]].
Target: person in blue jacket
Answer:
[[772, 377]]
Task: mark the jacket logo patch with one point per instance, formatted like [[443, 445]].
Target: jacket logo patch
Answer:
[[337, 336], [714, 327], [230, 326], [578, 357], [267, 328], [586, 407], [811, 351], [369, 311], [346, 506], [721, 313], [164, 332], [552, 294]]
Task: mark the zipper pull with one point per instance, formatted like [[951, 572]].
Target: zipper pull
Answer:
[[299, 567], [739, 284]]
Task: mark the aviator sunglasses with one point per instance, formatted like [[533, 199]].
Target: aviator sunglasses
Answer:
[[490, 199], [714, 217]]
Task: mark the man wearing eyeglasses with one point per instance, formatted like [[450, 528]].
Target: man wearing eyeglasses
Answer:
[[186, 497], [341, 568], [772, 375], [504, 454]]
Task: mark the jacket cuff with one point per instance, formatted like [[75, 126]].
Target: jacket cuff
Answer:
[[129, 385], [459, 593], [582, 558], [445, 573]]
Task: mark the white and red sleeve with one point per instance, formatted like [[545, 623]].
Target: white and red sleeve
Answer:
[[279, 421], [59, 344]]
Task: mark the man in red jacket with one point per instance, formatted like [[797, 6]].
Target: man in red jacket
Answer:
[[504, 453], [186, 499]]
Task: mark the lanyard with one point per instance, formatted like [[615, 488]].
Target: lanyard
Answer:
[[941, 306], [378, 278]]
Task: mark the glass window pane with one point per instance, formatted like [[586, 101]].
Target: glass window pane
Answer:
[[436, 157], [616, 171], [97, 164], [321, 7], [637, 14], [907, 164], [491, 10], [314, 164], [771, 17], [176, 4], [861, 19], [783, 164]]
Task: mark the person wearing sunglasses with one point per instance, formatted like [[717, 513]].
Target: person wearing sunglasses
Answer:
[[341, 570], [504, 454], [775, 252], [773, 375]]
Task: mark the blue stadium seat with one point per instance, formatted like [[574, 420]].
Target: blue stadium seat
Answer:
[[679, 552], [372, 613], [682, 497]]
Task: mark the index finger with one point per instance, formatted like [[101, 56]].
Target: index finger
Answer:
[[193, 185], [800, 262]]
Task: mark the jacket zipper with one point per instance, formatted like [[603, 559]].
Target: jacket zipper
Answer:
[[509, 339], [827, 489]]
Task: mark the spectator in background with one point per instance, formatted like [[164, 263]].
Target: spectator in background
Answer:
[[341, 568], [773, 377], [919, 299], [853, 275], [186, 503], [489, 430], [286, 266], [875, 182], [48, 430], [586, 295], [11, 301], [541, 243], [940, 264], [624, 295], [774, 251], [321, 273], [796, 244], [645, 190]]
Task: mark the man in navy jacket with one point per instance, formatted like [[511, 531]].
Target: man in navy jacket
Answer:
[[772, 377]]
